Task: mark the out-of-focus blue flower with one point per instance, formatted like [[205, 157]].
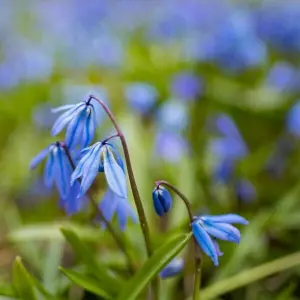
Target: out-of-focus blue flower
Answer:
[[186, 86], [98, 158], [162, 200], [80, 120], [172, 269], [235, 46], [283, 77], [224, 170], [113, 204], [245, 190], [58, 170], [170, 146], [207, 228], [278, 24], [228, 148], [141, 96], [293, 120], [172, 115]]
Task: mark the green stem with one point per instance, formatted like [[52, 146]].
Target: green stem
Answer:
[[119, 241], [197, 278], [134, 188]]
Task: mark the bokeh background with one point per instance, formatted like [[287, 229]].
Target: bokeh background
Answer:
[[206, 92]]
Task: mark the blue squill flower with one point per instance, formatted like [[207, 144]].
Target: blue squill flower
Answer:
[[162, 200], [80, 120], [293, 120], [113, 204], [208, 228], [186, 86], [172, 269], [101, 157], [141, 96], [57, 170]]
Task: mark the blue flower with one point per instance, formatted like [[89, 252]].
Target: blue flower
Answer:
[[293, 120], [58, 170], [113, 204], [80, 120], [162, 200], [207, 228], [186, 86], [141, 96], [101, 157], [172, 269]]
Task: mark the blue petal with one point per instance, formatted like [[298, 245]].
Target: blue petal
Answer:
[[64, 119], [217, 248], [157, 203], [63, 172], [114, 174], [117, 155], [125, 211], [89, 128], [227, 218], [75, 128], [90, 169], [49, 171], [63, 107], [108, 205], [205, 242], [222, 231], [172, 269], [78, 172], [38, 158]]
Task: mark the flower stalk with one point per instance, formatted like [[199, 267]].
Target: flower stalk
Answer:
[[197, 255], [119, 241]]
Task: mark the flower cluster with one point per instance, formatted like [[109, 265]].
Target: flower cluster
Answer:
[[73, 173]]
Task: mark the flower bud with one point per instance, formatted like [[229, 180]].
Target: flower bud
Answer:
[[162, 200]]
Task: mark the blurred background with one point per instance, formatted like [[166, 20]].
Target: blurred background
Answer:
[[206, 92]]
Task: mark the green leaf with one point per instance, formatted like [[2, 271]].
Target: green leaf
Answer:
[[111, 284], [22, 281], [25, 284], [161, 257], [86, 282], [246, 277], [7, 290]]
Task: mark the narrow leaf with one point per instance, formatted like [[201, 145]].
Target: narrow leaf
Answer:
[[7, 290], [246, 277], [86, 282], [22, 281], [161, 257], [109, 283]]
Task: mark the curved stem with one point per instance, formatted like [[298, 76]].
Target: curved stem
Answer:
[[135, 192], [116, 237], [176, 191], [197, 278]]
